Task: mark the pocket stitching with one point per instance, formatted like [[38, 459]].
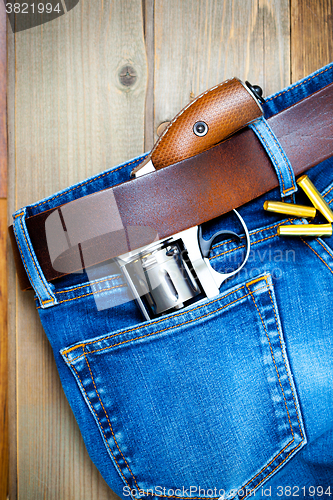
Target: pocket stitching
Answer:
[[216, 310], [314, 251], [65, 353], [159, 331], [300, 429], [100, 425], [107, 417]]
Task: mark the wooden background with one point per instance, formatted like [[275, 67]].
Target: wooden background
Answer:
[[85, 92]]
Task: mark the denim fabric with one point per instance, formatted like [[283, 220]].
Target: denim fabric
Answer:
[[228, 395], [280, 161]]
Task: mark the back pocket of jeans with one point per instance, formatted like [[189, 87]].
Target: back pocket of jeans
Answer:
[[200, 403]]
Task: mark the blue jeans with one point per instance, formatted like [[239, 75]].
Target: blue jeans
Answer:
[[228, 396]]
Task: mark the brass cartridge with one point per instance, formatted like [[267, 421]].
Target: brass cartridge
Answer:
[[316, 198], [289, 209], [305, 230]]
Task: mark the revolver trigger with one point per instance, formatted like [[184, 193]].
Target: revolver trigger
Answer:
[[206, 245]]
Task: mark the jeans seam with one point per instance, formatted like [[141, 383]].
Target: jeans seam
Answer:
[[26, 267], [284, 360], [92, 407], [279, 465], [110, 278], [307, 244], [273, 358], [159, 331], [326, 249], [34, 263], [283, 155], [107, 417], [272, 354], [262, 230], [298, 85], [87, 294], [145, 325], [153, 323], [242, 246], [87, 182]]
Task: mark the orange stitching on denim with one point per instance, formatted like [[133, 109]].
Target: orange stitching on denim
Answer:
[[34, 263], [257, 280], [154, 322], [87, 182], [90, 293], [198, 498], [89, 284], [91, 406], [174, 326], [243, 246], [326, 249], [107, 417], [251, 233], [295, 86], [84, 354], [274, 160], [279, 465], [262, 230], [307, 244], [284, 361], [282, 153], [272, 354], [18, 215], [26, 267], [328, 193], [288, 444]]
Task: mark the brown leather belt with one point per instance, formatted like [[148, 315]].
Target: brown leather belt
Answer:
[[189, 192]]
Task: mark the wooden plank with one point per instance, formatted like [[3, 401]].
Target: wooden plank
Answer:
[[4, 456], [73, 111], [76, 107], [311, 36], [3, 354], [3, 86], [148, 20], [12, 344], [199, 44]]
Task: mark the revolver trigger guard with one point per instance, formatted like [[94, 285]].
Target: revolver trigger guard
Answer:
[[206, 245], [219, 278]]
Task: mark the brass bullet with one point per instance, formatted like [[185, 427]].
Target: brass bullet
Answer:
[[316, 198], [305, 230], [289, 209]]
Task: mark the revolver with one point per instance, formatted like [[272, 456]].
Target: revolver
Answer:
[[175, 272]]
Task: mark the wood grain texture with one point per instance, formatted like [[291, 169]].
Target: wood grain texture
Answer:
[[4, 456], [76, 118], [73, 112], [70, 117], [311, 36], [3, 354], [3, 86], [213, 40], [148, 9]]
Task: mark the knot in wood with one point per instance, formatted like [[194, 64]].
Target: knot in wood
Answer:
[[128, 76]]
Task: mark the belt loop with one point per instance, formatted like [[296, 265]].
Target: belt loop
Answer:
[[277, 155], [37, 279]]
